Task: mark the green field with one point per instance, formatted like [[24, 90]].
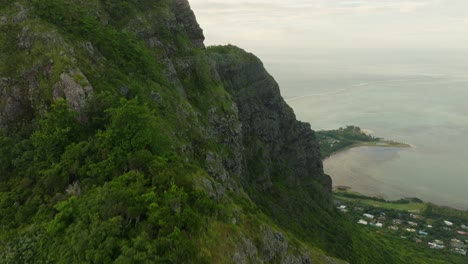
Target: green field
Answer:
[[412, 206]]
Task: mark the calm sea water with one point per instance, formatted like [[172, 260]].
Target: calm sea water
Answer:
[[420, 98]]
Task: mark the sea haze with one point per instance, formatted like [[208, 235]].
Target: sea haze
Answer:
[[413, 96]]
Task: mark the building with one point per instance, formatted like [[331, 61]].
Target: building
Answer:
[[456, 243], [448, 223], [362, 222], [423, 233], [435, 245], [414, 216], [459, 251], [342, 208], [369, 216]]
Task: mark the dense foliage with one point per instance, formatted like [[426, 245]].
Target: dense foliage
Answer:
[[121, 185], [112, 188]]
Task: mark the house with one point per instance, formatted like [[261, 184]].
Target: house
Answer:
[[394, 228], [368, 216], [435, 245], [448, 223], [422, 233], [463, 233], [415, 216], [382, 218], [412, 223], [455, 243], [464, 227], [397, 221], [410, 230], [362, 222], [342, 208], [429, 226], [459, 251], [379, 225]]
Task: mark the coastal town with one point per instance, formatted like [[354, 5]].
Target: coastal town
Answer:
[[436, 233]]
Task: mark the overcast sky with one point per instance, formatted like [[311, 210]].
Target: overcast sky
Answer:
[[260, 25]]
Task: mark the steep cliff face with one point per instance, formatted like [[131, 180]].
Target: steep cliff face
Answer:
[[277, 144], [283, 168], [119, 102]]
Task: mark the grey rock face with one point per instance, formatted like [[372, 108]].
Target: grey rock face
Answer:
[[13, 103], [274, 245], [186, 17], [246, 253], [75, 88], [22, 14], [273, 138], [275, 248]]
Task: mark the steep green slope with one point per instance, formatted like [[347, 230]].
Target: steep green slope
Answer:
[[119, 143], [124, 140]]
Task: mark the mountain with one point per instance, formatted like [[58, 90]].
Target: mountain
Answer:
[[124, 139]]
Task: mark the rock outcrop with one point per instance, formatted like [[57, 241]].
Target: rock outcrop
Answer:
[[75, 88], [277, 145], [186, 18]]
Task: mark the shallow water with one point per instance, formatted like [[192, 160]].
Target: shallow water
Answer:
[[428, 110]]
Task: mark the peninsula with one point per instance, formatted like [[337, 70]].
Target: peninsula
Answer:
[[332, 141]]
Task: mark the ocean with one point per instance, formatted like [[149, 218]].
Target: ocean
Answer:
[[419, 97]]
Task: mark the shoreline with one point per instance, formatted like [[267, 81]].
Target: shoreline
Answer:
[[414, 203], [383, 143], [337, 140]]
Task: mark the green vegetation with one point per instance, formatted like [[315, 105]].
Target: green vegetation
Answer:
[[137, 175], [113, 188], [332, 141]]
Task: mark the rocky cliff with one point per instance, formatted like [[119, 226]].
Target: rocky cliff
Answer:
[[176, 152], [277, 144]]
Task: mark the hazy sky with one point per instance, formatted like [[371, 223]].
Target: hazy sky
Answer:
[[262, 25]]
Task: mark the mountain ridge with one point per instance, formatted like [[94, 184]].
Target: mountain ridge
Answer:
[[124, 139], [76, 62]]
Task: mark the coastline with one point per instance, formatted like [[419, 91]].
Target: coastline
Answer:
[[337, 140], [412, 204], [382, 143]]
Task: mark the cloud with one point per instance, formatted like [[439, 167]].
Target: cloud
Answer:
[[334, 23]]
